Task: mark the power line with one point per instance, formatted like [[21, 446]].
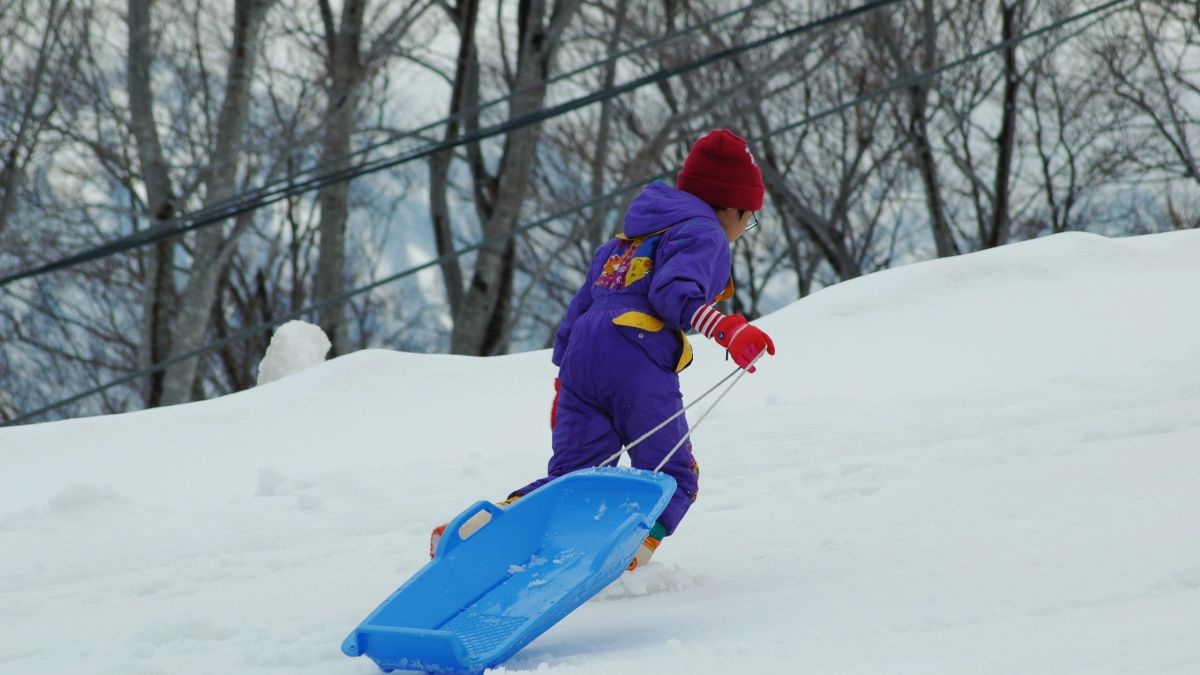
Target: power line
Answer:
[[478, 108], [902, 83], [253, 197], [218, 214], [924, 76]]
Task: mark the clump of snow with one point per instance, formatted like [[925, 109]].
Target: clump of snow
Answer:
[[567, 555], [270, 480], [83, 496], [273, 482], [309, 501], [295, 346], [649, 580], [1185, 579]]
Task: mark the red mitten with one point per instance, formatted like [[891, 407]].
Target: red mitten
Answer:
[[747, 343], [743, 341], [554, 403]]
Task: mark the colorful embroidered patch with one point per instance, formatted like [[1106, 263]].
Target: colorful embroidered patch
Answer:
[[631, 262], [638, 269]]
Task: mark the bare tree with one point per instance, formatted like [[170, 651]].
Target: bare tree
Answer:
[[481, 321], [39, 53], [1152, 67], [896, 60], [161, 296], [1077, 130], [464, 101], [350, 61], [829, 180], [212, 245], [1001, 226]]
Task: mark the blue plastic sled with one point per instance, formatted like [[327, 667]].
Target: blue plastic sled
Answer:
[[483, 598]]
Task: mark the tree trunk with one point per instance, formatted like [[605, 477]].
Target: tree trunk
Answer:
[[1001, 218], [159, 292], [943, 235], [915, 120], [212, 245], [595, 227], [464, 98], [481, 325], [345, 76]]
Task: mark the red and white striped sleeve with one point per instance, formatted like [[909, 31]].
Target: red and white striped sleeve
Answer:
[[705, 320]]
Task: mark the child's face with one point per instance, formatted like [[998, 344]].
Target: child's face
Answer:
[[734, 225]]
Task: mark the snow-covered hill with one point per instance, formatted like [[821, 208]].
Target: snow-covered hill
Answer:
[[986, 464]]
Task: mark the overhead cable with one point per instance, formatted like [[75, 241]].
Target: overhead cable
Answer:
[[916, 78], [187, 223]]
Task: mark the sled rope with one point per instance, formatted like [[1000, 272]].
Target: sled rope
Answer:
[[736, 375], [695, 425]]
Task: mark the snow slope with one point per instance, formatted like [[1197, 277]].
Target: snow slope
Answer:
[[986, 464]]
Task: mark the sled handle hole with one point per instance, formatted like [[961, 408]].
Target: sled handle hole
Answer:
[[474, 524]]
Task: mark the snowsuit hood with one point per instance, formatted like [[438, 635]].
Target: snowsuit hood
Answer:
[[660, 206]]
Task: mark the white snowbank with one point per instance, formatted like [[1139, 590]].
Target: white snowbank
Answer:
[[984, 464]]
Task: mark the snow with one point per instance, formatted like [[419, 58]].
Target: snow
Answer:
[[296, 345], [984, 464]]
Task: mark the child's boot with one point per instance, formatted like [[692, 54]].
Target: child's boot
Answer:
[[468, 528], [648, 547]]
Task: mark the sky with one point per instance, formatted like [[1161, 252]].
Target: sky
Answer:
[[980, 464]]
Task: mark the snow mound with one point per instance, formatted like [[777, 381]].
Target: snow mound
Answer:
[[985, 464]]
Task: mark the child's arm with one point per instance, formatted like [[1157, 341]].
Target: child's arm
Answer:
[[694, 269], [692, 265], [579, 304]]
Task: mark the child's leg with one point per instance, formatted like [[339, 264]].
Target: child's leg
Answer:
[[645, 408], [583, 437]]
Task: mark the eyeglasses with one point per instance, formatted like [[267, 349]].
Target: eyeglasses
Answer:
[[753, 221]]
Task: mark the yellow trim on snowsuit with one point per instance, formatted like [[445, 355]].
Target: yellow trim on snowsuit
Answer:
[[653, 324], [725, 294], [642, 320]]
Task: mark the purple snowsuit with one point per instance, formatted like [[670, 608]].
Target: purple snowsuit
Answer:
[[621, 344]]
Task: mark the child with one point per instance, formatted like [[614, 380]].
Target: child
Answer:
[[621, 344]]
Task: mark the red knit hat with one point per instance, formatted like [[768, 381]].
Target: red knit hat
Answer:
[[721, 171]]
